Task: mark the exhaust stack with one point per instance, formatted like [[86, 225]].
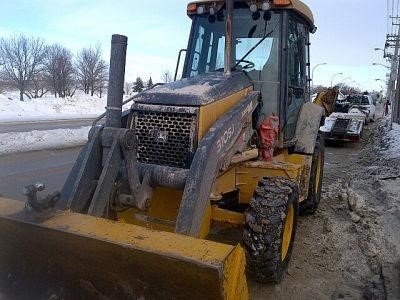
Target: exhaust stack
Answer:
[[228, 38], [116, 80]]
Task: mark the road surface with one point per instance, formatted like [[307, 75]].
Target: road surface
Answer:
[[44, 125], [48, 166]]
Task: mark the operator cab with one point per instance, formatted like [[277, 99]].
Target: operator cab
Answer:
[[269, 43]]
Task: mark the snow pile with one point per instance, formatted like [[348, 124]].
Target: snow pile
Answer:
[[49, 108], [47, 139], [392, 150], [46, 108]]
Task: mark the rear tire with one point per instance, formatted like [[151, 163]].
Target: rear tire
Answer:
[[310, 205], [269, 233]]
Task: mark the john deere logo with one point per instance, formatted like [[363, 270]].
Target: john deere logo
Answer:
[[160, 136]]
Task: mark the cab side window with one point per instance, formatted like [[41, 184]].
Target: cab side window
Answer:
[[297, 40]]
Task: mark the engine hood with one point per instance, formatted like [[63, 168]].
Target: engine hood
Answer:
[[196, 91]]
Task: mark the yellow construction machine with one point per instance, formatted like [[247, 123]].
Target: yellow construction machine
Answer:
[[201, 177]]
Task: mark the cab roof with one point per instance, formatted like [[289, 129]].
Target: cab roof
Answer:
[[295, 5]]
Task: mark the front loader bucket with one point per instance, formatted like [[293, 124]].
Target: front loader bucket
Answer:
[[65, 255]]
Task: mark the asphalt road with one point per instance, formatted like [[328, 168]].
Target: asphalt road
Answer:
[[44, 125], [52, 167], [48, 166]]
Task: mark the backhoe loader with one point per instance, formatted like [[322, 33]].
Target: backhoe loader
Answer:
[[199, 183]]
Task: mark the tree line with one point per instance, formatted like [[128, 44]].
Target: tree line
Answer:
[[139, 85], [36, 68]]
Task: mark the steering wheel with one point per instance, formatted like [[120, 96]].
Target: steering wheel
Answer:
[[248, 64]]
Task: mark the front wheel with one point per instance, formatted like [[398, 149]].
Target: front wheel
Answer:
[[269, 233]]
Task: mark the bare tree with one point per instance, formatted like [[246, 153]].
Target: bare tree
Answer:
[[166, 76], [21, 58], [38, 86], [92, 70], [318, 88], [60, 70], [128, 88], [101, 80]]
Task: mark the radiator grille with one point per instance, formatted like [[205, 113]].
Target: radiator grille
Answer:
[[341, 126], [165, 138]]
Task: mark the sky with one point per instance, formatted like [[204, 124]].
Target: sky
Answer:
[[348, 31]]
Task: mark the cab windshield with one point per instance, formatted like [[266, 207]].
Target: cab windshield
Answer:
[[255, 44]]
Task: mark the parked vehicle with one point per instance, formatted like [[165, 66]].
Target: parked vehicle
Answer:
[[364, 103], [348, 118]]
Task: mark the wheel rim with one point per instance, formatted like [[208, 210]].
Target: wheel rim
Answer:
[[287, 231], [318, 174]]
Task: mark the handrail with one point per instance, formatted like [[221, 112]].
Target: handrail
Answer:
[[177, 63]]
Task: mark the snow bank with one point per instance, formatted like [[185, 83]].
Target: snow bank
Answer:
[[49, 107], [392, 150], [12, 110], [13, 142]]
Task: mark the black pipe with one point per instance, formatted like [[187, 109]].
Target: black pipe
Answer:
[[170, 177], [116, 80]]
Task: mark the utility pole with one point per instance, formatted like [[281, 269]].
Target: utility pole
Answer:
[[393, 88], [395, 103]]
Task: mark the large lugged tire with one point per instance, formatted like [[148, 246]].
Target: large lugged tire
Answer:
[[310, 205], [271, 221]]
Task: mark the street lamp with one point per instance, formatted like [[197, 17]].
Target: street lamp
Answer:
[[334, 76], [312, 72], [378, 64], [380, 49]]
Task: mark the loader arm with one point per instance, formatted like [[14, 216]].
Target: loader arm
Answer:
[[207, 161]]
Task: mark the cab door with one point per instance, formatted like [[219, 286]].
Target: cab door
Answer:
[[297, 71]]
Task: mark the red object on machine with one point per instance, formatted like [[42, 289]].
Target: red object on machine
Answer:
[[268, 133]]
